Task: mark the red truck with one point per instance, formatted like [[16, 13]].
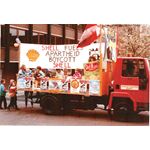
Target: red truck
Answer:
[[127, 95], [131, 91], [121, 86]]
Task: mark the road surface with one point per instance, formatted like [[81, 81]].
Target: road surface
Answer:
[[35, 116]]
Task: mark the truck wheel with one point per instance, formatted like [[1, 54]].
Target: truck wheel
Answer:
[[122, 112], [50, 105]]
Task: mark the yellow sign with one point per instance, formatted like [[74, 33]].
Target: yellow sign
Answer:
[[32, 54]]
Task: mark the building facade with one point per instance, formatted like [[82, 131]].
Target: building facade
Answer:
[[32, 33]]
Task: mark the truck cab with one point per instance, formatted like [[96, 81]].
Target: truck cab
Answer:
[[131, 90]]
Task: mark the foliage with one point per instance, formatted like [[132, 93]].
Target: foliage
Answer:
[[134, 39]]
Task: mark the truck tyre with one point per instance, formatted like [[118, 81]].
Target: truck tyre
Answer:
[[122, 112], [50, 105]]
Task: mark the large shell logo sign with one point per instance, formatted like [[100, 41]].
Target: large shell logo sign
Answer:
[[75, 84], [32, 54]]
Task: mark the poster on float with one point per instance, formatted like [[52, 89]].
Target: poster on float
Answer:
[[28, 82], [21, 83], [94, 87], [44, 83], [55, 85], [66, 56], [24, 83], [78, 86], [83, 87], [65, 85], [74, 86], [91, 70]]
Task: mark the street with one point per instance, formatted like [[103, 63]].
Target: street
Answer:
[[35, 116]]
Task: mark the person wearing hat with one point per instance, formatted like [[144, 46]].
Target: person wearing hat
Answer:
[[13, 95]]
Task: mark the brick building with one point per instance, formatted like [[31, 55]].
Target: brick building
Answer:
[[32, 33]]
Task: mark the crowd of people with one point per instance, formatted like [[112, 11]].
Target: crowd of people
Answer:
[[38, 73]]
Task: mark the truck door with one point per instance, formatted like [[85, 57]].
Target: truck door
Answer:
[[134, 79]]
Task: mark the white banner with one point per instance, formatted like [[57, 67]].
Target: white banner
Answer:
[[55, 56]]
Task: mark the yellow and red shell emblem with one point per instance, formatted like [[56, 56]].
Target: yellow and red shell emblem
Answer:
[[75, 84], [32, 54]]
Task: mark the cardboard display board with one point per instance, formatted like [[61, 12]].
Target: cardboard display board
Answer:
[[91, 70], [55, 85], [20, 83], [72, 86], [28, 82], [78, 86], [94, 87], [83, 87], [54, 56], [25, 83], [65, 85], [44, 84], [65, 57]]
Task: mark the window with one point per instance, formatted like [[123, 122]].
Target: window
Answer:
[[58, 40], [55, 40], [81, 27], [71, 25], [39, 38], [69, 41], [14, 33], [130, 68], [22, 36], [142, 72], [42, 38], [133, 68], [35, 38]]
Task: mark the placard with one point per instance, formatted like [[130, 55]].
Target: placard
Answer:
[[44, 83], [28, 82], [65, 85], [74, 86], [55, 85], [21, 83], [94, 87], [66, 56], [83, 87], [91, 70], [24, 83]]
